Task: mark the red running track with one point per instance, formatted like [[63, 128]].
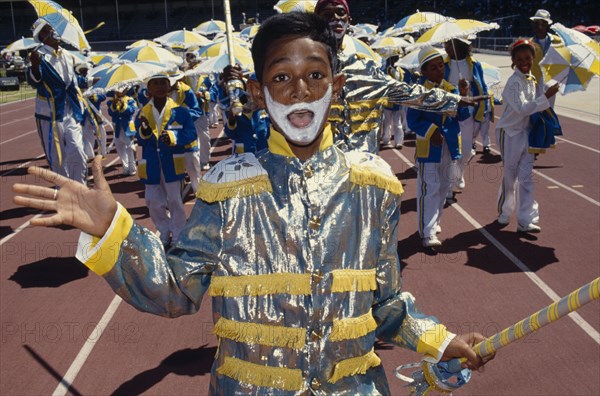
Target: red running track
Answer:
[[50, 304]]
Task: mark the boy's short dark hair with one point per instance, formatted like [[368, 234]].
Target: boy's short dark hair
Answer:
[[300, 24]]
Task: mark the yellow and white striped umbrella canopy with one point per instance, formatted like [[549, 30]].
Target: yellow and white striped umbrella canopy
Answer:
[[390, 46], [220, 47], [99, 59], [573, 38], [142, 43], [211, 27], [571, 69], [62, 21], [218, 63], [351, 45], [151, 53], [417, 22], [249, 32], [182, 39], [24, 43], [121, 75], [284, 6], [452, 29]]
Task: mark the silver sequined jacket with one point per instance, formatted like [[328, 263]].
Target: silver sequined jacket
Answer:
[[300, 259]]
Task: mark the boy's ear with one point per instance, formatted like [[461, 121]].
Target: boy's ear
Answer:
[[338, 83], [256, 93]]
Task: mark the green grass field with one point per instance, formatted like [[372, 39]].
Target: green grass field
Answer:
[[24, 92]]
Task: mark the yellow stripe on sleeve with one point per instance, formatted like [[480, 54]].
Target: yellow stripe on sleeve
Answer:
[[100, 255], [434, 340]]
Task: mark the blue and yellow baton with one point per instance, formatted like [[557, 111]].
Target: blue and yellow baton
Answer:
[[446, 377]]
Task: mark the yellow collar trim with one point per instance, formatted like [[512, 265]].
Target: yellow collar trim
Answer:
[[278, 145]]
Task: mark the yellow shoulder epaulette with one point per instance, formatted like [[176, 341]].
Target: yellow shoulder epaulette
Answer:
[[367, 169], [235, 177]]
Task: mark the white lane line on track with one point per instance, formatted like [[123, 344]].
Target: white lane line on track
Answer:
[[80, 359], [18, 137], [585, 326], [11, 103], [572, 142], [17, 120], [88, 346], [556, 182], [4, 112], [23, 165], [577, 144], [20, 228]]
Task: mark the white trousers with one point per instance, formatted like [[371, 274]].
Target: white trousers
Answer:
[[192, 166], [434, 181], [392, 123], [518, 183], [68, 136], [89, 138], [166, 208], [126, 151], [482, 128], [214, 113], [202, 127], [467, 130]]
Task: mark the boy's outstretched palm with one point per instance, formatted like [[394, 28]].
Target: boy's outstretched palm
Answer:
[[90, 210]]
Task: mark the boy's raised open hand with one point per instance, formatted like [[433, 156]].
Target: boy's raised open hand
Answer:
[[90, 210]]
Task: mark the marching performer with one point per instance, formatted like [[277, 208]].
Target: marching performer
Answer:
[[301, 286], [58, 104]]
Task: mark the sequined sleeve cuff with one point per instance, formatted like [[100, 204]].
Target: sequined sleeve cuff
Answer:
[[433, 342], [101, 254]]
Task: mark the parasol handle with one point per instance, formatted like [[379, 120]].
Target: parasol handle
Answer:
[[232, 85]]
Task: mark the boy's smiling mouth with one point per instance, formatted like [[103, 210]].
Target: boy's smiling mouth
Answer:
[[301, 118]]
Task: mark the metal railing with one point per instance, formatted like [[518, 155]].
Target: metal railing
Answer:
[[495, 44]]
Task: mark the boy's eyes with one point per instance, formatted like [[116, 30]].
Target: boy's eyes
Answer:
[[316, 75]]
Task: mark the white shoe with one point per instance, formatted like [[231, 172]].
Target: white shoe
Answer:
[[205, 167], [431, 241], [438, 229], [532, 228], [461, 184], [503, 220]]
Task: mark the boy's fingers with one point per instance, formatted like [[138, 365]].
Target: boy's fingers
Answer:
[[43, 204], [48, 175], [50, 221], [98, 173], [36, 191]]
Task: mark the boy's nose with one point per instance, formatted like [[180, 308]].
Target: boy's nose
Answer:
[[300, 91]]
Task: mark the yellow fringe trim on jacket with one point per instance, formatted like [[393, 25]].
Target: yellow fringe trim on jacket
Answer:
[[259, 375], [354, 366], [364, 176], [260, 285], [255, 333], [353, 280], [352, 328], [215, 192], [364, 127]]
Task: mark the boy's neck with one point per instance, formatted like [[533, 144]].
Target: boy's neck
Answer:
[[159, 103], [305, 152]]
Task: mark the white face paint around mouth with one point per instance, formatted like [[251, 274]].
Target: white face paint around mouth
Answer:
[[339, 28], [300, 122]]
